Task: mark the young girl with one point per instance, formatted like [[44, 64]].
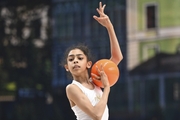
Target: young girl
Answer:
[[86, 99]]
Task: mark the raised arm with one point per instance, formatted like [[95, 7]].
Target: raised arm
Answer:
[[103, 19]]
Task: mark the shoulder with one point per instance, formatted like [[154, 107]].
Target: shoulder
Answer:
[[74, 94], [72, 89]]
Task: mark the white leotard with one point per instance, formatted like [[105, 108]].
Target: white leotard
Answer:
[[94, 97]]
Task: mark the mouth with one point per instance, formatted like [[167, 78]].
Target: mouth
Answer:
[[76, 67]]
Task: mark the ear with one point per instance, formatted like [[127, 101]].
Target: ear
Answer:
[[66, 67], [89, 64]]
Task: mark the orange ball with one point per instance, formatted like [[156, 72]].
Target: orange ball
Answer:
[[111, 70]]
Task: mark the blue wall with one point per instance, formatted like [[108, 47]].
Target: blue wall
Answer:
[[73, 23]]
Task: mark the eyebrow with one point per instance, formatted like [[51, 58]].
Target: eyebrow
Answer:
[[74, 55]]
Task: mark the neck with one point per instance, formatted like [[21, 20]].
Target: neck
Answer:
[[82, 79]]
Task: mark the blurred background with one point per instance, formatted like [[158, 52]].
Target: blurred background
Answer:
[[35, 34]]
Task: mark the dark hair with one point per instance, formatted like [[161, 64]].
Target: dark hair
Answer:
[[81, 47]]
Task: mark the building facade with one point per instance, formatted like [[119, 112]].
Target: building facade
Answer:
[[153, 40]]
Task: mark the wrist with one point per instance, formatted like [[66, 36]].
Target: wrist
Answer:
[[106, 90], [107, 87], [109, 26]]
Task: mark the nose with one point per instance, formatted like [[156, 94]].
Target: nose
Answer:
[[75, 60]]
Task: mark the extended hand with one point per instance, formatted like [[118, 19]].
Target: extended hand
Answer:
[[103, 19]]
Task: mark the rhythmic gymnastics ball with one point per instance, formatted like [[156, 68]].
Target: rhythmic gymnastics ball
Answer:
[[111, 70]]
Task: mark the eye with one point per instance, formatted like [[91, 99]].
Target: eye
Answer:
[[80, 58], [70, 59]]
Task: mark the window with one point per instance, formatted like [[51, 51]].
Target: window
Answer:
[[172, 90], [151, 18], [176, 91]]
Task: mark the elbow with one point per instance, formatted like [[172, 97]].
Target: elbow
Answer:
[[97, 117], [119, 59]]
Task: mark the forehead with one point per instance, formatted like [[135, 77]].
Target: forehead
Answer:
[[75, 52]]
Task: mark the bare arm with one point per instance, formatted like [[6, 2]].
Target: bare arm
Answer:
[[76, 96], [103, 19], [116, 54]]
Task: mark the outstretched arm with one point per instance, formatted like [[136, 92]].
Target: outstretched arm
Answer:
[[103, 19]]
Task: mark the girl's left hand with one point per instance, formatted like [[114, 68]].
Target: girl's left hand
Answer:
[[103, 19]]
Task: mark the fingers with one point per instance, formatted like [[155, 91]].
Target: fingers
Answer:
[[100, 73], [101, 8], [96, 76], [100, 70], [100, 12], [96, 18], [100, 4]]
